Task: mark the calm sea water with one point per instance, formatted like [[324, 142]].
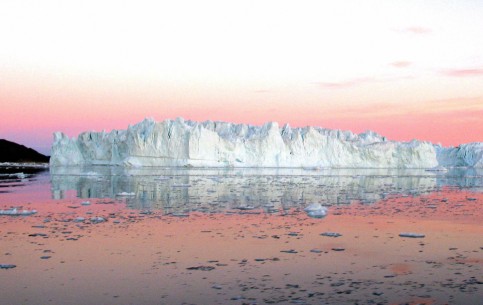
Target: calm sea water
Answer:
[[109, 235]]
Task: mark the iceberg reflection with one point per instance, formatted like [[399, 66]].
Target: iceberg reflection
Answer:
[[215, 190]]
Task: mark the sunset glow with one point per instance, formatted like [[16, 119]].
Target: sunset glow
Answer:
[[405, 69]]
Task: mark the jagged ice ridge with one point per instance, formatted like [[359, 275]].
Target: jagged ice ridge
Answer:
[[221, 144]]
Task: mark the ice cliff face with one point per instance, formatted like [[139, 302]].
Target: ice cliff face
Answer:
[[220, 144], [466, 155]]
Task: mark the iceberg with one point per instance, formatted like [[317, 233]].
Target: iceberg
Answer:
[[222, 144]]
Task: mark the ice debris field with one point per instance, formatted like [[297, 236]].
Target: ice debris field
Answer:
[[221, 144]]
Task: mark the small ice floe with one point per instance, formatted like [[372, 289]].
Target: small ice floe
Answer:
[[331, 234], [79, 219], [316, 210], [181, 185], [19, 175], [412, 235], [125, 194], [438, 168], [238, 297], [15, 212], [7, 266], [38, 234], [86, 203], [97, 219], [290, 251]]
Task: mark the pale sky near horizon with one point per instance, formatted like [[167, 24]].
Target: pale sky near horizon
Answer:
[[405, 69]]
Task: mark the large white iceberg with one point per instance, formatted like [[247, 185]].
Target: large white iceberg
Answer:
[[221, 144]]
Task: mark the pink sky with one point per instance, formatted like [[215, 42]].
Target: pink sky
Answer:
[[407, 71]]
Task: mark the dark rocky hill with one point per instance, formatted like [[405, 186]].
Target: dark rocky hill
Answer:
[[13, 152]]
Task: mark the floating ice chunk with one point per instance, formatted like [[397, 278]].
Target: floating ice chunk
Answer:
[[97, 219], [313, 207], [15, 212], [79, 219], [412, 235], [316, 210], [291, 251], [85, 203], [317, 214], [331, 234], [7, 266]]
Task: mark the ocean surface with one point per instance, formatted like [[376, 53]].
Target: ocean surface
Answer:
[[111, 235]]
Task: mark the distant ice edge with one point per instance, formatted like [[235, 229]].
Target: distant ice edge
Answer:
[[221, 144]]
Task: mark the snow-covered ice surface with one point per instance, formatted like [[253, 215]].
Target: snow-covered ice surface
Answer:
[[221, 144]]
